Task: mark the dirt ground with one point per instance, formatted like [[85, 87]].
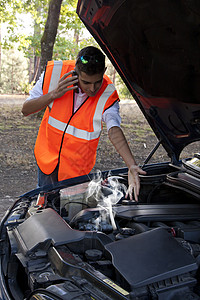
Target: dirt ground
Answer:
[[18, 134]]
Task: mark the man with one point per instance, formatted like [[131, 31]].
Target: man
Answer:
[[77, 96]]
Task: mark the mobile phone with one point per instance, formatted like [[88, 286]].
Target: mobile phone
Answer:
[[73, 74]]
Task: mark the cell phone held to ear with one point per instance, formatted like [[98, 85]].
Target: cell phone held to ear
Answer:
[[75, 84]]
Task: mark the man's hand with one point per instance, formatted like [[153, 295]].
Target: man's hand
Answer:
[[119, 141], [65, 84], [134, 181]]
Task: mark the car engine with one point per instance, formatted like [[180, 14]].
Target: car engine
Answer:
[[88, 240]]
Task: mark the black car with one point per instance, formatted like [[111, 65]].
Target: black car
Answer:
[[82, 238]]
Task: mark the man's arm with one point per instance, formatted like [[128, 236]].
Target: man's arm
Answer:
[[119, 141], [64, 85]]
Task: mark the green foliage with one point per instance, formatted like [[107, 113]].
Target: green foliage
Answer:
[[123, 91], [7, 8], [69, 31], [14, 77], [17, 14], [69, 40], [26, 86], [71, 35], [68, 49]]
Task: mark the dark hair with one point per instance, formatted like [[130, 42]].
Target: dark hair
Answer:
[[90, 60]]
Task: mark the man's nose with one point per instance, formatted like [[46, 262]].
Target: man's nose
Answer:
[[92, 87]]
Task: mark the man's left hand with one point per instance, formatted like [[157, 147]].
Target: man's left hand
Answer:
[[134, 181]]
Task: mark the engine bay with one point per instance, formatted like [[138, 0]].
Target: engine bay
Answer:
[[92, 237]]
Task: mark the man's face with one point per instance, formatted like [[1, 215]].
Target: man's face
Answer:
[[90, 84]]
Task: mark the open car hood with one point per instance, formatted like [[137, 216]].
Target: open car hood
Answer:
[[154, 46]]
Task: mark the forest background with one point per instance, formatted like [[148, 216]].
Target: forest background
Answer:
[[33, 32]]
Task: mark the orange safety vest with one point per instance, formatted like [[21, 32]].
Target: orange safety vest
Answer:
[[69, 139]]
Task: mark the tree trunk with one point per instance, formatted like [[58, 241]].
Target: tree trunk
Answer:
[[114, 75], [50, 31], [30, 72], [0, 49], [37, 32], [36, 74], [76, 36]]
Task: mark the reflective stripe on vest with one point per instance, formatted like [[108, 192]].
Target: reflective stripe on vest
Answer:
[[83, 134], [55, 76]]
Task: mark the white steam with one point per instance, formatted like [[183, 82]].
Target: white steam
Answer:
[[105, 194]]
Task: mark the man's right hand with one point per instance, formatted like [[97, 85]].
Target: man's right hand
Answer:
[[65, 84]]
